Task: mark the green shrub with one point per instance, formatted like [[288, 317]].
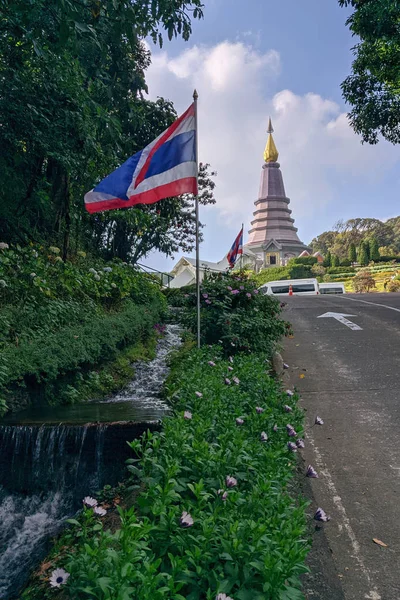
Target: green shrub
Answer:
[[303, 260], [338, 270], [234, 312], [300, 271], [271, 274], [248, 544]]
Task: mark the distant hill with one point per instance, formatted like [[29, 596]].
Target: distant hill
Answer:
[[355, 231]]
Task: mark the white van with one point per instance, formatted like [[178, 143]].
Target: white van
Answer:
[[333, 287], [299, 287]]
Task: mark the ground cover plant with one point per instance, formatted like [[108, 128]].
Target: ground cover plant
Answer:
[[212, 515], [59, 319]]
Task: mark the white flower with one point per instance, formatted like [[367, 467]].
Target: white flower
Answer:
[[58, 578], [187, 415], [3, 283], [264, 437], [4, 246], [107, 270], [113, 285], [33, 275], [89, 501], [186, 519], [92, 271], [98, 510], [223, 597], [97, 277], [35, 254]]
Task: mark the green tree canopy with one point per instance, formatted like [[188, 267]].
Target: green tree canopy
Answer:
[[363, 255], [352, 253], [374, 249], [373, 88]]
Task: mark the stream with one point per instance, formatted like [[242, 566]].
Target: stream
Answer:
[[51, 457]]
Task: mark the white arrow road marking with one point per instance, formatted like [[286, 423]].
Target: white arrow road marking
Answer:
[[342, 319]]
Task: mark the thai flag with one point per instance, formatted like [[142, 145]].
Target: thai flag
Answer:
[[237, 248], [166, 167]]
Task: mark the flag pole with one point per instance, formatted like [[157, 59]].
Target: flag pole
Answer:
[[241, 256], [195, 97]]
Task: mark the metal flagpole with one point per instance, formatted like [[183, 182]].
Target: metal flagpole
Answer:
[[195, 97], [241, 256]]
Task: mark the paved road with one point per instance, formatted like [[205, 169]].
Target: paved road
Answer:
[[352, 380]]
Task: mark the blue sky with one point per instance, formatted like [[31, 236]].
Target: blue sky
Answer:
[[286, 59]]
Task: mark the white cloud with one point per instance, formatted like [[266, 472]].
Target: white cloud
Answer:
[[318, 149]]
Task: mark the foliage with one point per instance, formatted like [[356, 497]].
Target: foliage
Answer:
[[373, 88], [235, 314], [318, 270], [363, 258], [352, 253], [336, 270], [271, 274], [250, 546], [392, 286], [346, 234], [303, 260], [328, 259], [335, 261], [72, 109], [363, 282], [374, 250]]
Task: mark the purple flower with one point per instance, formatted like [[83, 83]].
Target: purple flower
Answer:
[[311, 472], [285, 366], [318, 421], [222, 597], [223, 494], [292, 447], [321, 515], [187, 415], [227, 381], [248, 295], [259, 410], [230, 359], [186, 519], [211, 363], [199, 394], [236, 380], [89, 501], [205, 295], [230, 368], [275, 428], [255, 291], [264, 437], [290, 393], [291, 432], [300, 443], [241, 287], [287, 408], [234, 292], [239, 421], [58, 578], [208, 302], [229, 288], [230, 481], [99, 510]]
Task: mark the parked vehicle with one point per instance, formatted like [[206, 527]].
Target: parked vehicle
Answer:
[[299, 287], [333, 287]]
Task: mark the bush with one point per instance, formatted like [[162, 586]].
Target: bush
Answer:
[[338, 270], [271, 274], [233, 311], [303, 260], [346, 263], [393, 286], [363, 282], [248, 543]]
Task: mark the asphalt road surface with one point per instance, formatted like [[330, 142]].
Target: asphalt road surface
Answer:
[[351, 369]]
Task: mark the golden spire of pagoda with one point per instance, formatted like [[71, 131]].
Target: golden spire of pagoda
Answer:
[[270, 153]]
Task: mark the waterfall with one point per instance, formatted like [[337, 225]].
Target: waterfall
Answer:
[[46, 469]]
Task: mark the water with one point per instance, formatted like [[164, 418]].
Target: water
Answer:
[[50, 458]]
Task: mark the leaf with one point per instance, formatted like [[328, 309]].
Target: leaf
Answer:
[[302, 376], [379, 542]]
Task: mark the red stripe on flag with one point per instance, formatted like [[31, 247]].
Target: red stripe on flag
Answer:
[[187, 185], [141, 176]]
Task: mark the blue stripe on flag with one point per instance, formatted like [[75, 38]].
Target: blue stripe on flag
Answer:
[[181, 149], [117, 183]]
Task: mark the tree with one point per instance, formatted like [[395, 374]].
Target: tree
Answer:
[[367, 249], [352, 253], [362, 255], [328, 259], [373, 88], [335, 261], [363, 282], [72, 106], [374, 249]]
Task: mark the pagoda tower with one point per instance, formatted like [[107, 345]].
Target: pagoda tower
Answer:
[[273, 236]]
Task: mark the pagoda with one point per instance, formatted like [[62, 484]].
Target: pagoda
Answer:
[[273, 236]]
